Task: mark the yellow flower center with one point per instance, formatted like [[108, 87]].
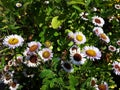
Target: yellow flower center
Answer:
[[46, 54], [91, 53], [103, 36], [79, 37], [47, 43], [13, 41], [33, 48]]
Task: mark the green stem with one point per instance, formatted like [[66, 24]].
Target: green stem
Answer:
[[4, 50]]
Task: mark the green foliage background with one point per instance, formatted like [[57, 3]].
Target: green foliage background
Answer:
[[37, 20]]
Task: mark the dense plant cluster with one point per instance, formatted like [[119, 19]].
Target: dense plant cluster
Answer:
[[60, 44]]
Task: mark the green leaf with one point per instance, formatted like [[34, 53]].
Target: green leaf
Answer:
[[56, 34], [75, 2], [46, 73], [77, 8], [56, 22], [44, 87]]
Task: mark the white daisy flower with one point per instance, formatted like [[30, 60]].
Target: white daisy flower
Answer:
[[117, 6], [116, 67], [104, 37], [74, 49], [118, 42], [111, 48], [27, 52], [92, 52], [79, 38], [10, 63], [34, 46], [7, 78], [13, 41], [98, 30], [46, 54], [98, 21], [18, 4], [67, 66], [93, 82], [84, 15], [33, 61], [77, 58], [103, 86], [6, 68], [13, 86]]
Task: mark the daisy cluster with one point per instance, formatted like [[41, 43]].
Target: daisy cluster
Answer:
[[32, 57], [102, 86]]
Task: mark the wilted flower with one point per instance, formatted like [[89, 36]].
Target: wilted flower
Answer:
[[13, 41], [104, 37], [74, 49], [98, 30], [67, 66], [13, 86], [84, 15]]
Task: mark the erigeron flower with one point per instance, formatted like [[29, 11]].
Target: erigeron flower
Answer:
[[34, 46], [67, 66], [79, 38], [6, 68], [104, 37], [111, 48], [98, 30], [27, 52], [77, 58], [13, 86], [92, 52], [93, 82], [10, 62], [32, 61], [74, 49], [18, 4], [98, 21], [84, 15], [13, 41], [7, 78], [116, 67], [117, 6], [46, 54], [102, 86], [118, 42]]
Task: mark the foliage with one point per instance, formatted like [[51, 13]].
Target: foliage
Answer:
[[52, 20]]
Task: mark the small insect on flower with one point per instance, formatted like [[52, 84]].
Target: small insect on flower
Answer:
[[77, 58], [98, 21], [67, 66], [116, 67], [92, 52], [98, 30], [79, 38], [34, 46], [46, 54], [18, 5], [13, 86], [104, 37], [13, 41], [117, 6], [84, 16], [111, 48]]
